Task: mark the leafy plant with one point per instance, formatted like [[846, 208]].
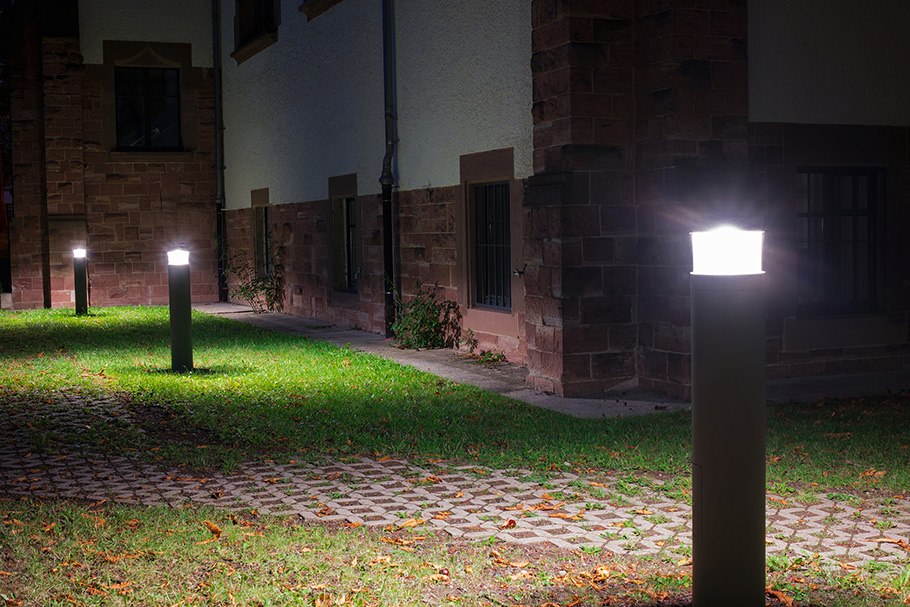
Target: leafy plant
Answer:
[[263, 290], [490, 357], [425, 322]]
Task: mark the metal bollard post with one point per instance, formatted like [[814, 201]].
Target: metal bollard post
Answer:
[[178, 277], [728, 421]]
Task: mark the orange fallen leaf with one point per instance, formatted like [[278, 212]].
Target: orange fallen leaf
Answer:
[[847, 566], [436, 577], [353, 525], [518, 507], [890, 540], [783, 598], [442, 515], [215, 529], [99, 522]]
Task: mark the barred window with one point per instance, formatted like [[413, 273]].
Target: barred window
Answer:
[[491, 245], [839, 215]]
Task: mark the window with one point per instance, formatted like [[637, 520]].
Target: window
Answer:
[[255, 27], [261, 241], [346, 270], [148, 108], [491, 246], [838, 240]]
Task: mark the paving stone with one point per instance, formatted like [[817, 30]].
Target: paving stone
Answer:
[[376, 493]]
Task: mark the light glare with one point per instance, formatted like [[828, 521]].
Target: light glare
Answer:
[[727, 251], [79, 253], [178, 257]]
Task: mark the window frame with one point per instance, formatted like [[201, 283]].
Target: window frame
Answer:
[[489, 236], [829, 263], [119, 53], [346, 269], [147, 98], [252, 38]]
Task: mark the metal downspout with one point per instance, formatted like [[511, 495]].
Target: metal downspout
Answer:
[[220, 227], [387, 180]]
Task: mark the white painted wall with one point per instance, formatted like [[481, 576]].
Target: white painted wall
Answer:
[[464, 85], [311, 105], [145, 20], [829, 61], [308, 107]]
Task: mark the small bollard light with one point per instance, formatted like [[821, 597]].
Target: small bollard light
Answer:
[[81, 279], [728, 418], [178, 277]]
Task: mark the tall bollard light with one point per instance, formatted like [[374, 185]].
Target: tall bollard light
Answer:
[[178, 280], [81, 276], [728, 419]]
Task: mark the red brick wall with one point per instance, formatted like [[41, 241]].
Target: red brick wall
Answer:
[[27, 245], [127, 209], [691, 159], [580, 223]]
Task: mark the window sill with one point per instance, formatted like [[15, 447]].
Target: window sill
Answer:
[[314, 8], [254, 46], [802, 334], [147, 156]]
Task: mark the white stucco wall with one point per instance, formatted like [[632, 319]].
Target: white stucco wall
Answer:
[[145, 20], [829, 61], [311, 105], [308, 107], [464, 85]]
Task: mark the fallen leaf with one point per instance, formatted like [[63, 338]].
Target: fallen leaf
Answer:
[[508, 524], [684, 563], [890, 540], [215, 529], [99, 522], [786, 600], [436, 577], [353, 525]]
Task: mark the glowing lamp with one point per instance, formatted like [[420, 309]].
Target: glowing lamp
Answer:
[[727, 251], [178, 257], [79, 253]]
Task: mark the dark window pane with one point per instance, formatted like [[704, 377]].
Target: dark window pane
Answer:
[[130, 122], [836, 240], [148, 108], [492, 256]]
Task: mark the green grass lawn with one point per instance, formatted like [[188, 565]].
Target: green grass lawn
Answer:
[[262, 395], [94, 555]]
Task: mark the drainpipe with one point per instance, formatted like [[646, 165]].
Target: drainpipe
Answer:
[[387, 180], [220, 227]]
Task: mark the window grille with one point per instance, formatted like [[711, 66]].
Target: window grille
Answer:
[[148, 108], [839, 240], [492, 253]]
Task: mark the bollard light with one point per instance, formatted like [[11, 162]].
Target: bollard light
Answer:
[[178, 277], [728, 418], [81, 281]]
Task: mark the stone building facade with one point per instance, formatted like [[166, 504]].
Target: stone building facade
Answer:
[[551, 158]]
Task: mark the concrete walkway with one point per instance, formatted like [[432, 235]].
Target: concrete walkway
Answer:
[[509, 379], [578, 508]]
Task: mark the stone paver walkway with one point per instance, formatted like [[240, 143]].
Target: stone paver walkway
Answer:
[[572, 510]]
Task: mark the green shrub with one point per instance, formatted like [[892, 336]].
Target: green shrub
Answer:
[[424, 322], [264, 291]]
